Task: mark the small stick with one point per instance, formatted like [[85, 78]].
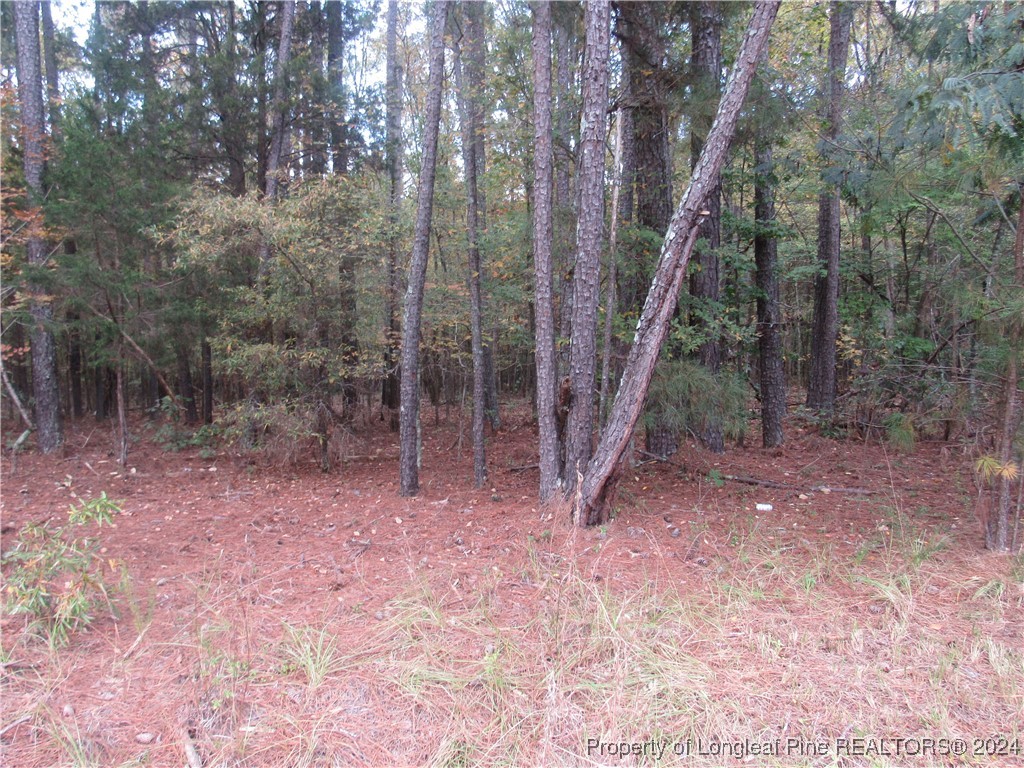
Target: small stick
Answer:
[[191, 753]]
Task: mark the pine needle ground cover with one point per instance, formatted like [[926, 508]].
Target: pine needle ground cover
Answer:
[[265, 616]]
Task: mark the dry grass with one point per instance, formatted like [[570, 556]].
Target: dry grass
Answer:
[[536, 661]]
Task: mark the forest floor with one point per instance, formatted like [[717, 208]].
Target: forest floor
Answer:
[[273, 615]]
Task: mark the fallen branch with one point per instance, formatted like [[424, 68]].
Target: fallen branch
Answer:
[[788, 487], [15, 399], [661, 459]]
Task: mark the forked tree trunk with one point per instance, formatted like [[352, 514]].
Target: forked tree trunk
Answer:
[[543, 182], [599, 482], [45, 387], [589, 240], [821, 386], [409, 410]]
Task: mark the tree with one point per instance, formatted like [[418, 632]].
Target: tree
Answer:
[[589, 240], [468, 96], [706, 29], [601, 476], [391, 389], [821, 387], [543, 186], [640, 29], [278, 111], [45, 387], [409, 409], [769, 310]]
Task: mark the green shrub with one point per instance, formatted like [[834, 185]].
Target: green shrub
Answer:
[[684, 395], [56, 576]]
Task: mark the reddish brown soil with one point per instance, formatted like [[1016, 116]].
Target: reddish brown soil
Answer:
[[299, 545]]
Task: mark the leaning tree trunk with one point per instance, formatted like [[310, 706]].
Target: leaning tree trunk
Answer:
[[769, 309], [589, 239], [821, 386], [601, 477], [409, 411], [45, 387], [543, 182]]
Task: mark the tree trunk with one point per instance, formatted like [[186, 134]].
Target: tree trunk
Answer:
[[207, 376], [602, 474], [278, 107], [821, 386], [278, 110], [52, 73], [390, 391], [336, 88], [467, 100], [998, 534], [409, 410], [613, 272], [589, 240], [563, 31], [543, 160], [122, 412], [45, 387], [769, 310], [706, 282], [640, 29], [338, 133], [185, 386]]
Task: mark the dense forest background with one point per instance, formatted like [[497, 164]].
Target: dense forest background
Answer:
[[276, 223]]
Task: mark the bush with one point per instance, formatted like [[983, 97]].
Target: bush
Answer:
[[684, 395], [56, 576]]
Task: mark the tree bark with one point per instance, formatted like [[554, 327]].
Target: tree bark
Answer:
[[467, 99], [279, 126], [640, 29], [601, 477], [45, 387], [543, 182], [347, 295], [613, 272], [409, 410], [390, 390], [336, 87], [706, 282], [821, 386], [185, 387], [278, 107], [52, 73], [589, 240], [207, 376], [769, 310]]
